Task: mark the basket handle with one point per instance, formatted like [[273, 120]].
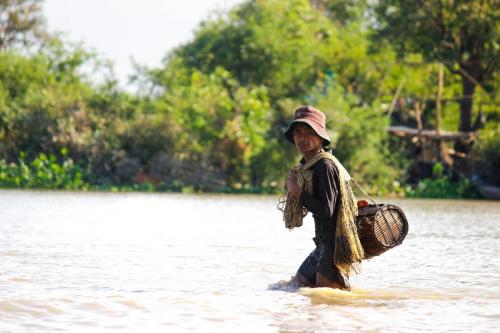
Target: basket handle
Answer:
[[363, 191]]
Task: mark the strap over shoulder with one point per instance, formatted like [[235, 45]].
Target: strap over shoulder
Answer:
[[325, 155]]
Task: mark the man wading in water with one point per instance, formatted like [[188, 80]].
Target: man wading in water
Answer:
[[320, 184]]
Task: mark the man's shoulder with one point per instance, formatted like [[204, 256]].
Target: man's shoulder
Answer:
[[326, 165]]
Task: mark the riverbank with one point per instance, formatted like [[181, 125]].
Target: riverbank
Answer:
[[51, 173]]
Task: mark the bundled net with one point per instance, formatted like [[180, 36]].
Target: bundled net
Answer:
[[293, 211]]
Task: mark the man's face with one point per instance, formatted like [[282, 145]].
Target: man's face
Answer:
[[305, 138]]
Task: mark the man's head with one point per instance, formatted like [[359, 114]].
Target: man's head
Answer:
[[311, 117], [305, 138]]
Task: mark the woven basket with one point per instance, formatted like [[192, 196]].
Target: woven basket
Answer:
[[380, 228]]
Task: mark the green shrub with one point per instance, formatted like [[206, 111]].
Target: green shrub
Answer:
[[486, 156], [45, 171], [440, 186]]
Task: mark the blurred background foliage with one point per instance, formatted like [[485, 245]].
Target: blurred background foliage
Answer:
[[212, 117]]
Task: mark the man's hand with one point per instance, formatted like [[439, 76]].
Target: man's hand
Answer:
[[293, 186]]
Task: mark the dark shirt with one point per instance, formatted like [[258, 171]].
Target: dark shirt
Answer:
[[323, 201]]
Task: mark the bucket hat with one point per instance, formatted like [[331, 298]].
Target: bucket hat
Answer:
[[314, 118]]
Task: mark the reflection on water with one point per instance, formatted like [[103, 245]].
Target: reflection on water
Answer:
[[360, 297], [139, 262]]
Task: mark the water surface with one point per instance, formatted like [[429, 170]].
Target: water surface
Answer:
[[143, 262]]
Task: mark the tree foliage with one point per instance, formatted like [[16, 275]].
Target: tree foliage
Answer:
[[21, 23], [341, 11], [212, 117], [462, 34]]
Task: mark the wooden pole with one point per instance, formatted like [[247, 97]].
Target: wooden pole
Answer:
[[418, 116], [440, 149], [420, 139], [438, 99], [396, 96]]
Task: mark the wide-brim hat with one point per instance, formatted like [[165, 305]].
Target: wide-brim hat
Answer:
[[314, 118]]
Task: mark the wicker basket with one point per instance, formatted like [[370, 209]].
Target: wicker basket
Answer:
[[381, 227]]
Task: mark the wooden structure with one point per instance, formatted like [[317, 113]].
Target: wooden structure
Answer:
[[431, 142], [415, 133], [432, 146]]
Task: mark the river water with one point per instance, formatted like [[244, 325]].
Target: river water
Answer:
[[177, 263]]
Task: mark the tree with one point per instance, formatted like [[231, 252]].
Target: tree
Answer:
[[21, 22], [236, 84], [462, 34], [223, 127], [284, 45], [341, 11]]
